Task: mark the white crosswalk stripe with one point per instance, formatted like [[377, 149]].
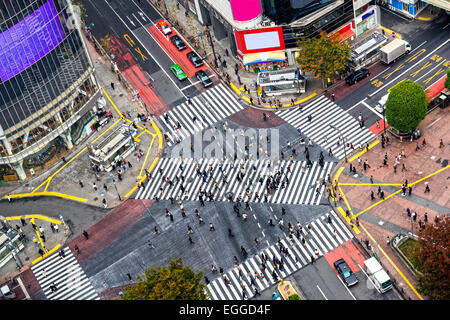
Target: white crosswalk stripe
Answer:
[[302, 186], [321, 236], [215, 104], [68, 277], [325, 113]]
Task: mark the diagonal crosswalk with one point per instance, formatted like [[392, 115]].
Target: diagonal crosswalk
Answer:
[[302, 185], [321, 238], [68, 277], [324, 113], [215, 104]]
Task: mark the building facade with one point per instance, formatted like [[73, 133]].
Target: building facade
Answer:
[[47, 85], [297, 19]]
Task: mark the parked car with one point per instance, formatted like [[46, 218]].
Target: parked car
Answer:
[[178, 72], [203, 78], [357, 76], [195, 59], [163, 27], [176, 40], [345, 272], [6, 293]]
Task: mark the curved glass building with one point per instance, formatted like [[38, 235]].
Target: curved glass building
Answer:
[[47, 86]]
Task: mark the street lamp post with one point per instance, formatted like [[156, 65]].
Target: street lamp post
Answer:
[[343, 141], [111, 175]]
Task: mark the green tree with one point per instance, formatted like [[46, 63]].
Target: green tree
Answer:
[[294, 297], [447, 81], [406, 106], [434, 257], [323, 56], [174, 282]]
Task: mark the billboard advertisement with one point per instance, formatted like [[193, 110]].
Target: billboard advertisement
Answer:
[[260, 40], [245, 10], [29, 40]]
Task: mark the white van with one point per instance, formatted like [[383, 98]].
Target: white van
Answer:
[[6, 293], [381, 105], [377, 274]]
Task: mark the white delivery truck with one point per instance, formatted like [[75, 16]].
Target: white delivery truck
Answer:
[[393, 50], [377, 274]]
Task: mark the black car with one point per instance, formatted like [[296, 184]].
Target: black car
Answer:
[[203, 78], [176, 40], [195, 59], [345, 272], [357, 75]]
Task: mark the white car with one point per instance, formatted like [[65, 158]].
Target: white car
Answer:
[[381, 105]]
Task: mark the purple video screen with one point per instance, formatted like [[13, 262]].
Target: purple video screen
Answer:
[[29, 40]]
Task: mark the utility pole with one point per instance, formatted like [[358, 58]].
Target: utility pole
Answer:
[[111, 175], [208, 33]]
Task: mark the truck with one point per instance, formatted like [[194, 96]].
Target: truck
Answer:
[[394, 50], [377, 275]]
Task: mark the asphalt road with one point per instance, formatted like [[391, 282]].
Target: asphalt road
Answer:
[[77, 215], [425, 64], [128, 23]]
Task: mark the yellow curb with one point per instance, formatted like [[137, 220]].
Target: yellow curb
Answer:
[[391, 262], [47, 254], [112, 103], [364, 151], [342, 212], [390, 32], [370, 184], [336, 177], [235, 88], [35, 216], [59, 170], [375, 204], [143, 178], [246, 98], [158, 132], [424, 19], [47, 193], [430, 175], [145, 159]]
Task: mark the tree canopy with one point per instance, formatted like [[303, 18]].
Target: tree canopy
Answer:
[[174, 282], [434, 257], [406, 106], [323, 56]]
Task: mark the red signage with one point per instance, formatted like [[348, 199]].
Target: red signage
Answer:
[[260, 40]]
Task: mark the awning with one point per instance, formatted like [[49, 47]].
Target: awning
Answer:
[[342, 35], [262, 57]]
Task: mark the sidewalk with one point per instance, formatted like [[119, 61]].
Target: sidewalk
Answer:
[[382, 218], [64, 177]]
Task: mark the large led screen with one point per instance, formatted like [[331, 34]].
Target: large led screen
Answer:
[[29, 40]]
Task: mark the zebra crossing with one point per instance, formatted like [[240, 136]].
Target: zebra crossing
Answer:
[[326, 116], [213, 105], [303, 185], [68, 277], [320, 239]]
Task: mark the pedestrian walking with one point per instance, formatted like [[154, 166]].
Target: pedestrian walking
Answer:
[[403, 167], [332, 96], [44, 273], [414, 216], [425, 217], [409, 191], [312, 259], [77, 249], [372, 196], [190, 240], [112, 85], [156, 230], [23, 221], [81, 183], [104, 203], [43, 237], [105, 187], [62, 254], [427, 188], [94, 186]]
